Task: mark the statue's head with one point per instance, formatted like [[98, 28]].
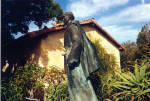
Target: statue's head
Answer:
[[68, 16]]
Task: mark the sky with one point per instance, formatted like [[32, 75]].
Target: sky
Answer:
[[122, 19]]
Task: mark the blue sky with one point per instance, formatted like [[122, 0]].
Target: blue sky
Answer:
[[122, 19]]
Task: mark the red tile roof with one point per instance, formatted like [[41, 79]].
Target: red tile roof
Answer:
[[85, 22]]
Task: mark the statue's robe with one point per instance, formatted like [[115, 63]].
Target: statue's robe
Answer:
[[81, 60]]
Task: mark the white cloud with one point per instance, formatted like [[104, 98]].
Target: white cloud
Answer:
[[143, 1], [139, 13], [122, 33], [85, 8]]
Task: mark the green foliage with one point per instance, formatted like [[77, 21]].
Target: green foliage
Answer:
[[106, 88], [143, 38], [58, 93], [128, 55], [126, 86], [108, 60], [54, 75], [18, 14], [130, 86], [143, 44], [16, 87], [31, 81], [57, 89], [101, 77], [139, 50]]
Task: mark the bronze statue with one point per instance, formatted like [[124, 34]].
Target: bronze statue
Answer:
[[81, 60]]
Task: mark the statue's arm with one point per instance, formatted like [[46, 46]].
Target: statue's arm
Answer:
[[74, 56]]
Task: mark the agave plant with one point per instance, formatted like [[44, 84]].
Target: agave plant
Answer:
[[133, 86]]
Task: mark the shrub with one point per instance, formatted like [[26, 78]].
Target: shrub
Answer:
[[108, 60], [33, 82], [143, 44], [17, 87], [126, 86], [100, 78], [58, 93], [127, 56], [57, 89], [139, 50], [130, 86]]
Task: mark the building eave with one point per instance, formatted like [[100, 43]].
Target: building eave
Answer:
[[89, 22]]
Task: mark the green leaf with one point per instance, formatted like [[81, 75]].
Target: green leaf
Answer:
[[122, 77], [145, 92], [143, 71], [123, 83], [121, 86], [136, 71]]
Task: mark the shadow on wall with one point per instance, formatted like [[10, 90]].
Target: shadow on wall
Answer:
[[17, 53], [53, 43], [29, 51]]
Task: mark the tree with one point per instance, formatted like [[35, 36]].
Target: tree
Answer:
[[128, 55], [146, 27], [18, 14], [143, 44], [136, 51]]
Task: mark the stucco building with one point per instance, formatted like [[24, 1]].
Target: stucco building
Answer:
[[46, 47]]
